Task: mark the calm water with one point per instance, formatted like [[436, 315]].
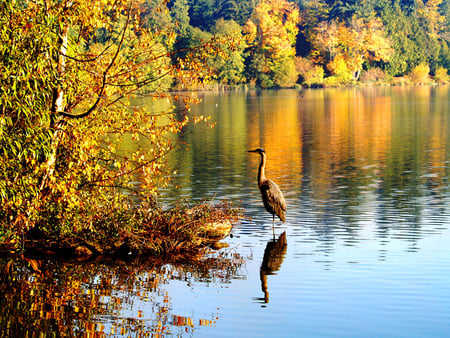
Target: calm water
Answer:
[[366, 250]]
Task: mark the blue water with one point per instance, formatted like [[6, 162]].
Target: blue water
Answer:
[[366, 183]]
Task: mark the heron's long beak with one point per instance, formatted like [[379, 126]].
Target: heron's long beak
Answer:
[[252, 151]]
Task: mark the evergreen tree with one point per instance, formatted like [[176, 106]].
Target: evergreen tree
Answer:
[[236, 10], [180, 12], [201, 13]]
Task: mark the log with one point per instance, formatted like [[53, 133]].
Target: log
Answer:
[[215, 231]]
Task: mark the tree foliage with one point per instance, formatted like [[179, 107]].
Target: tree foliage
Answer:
[[394, 36], [67, 123], [272, 32], [70, 72], [230, 67], [406, 33]]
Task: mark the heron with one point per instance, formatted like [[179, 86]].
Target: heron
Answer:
[[271, 194]]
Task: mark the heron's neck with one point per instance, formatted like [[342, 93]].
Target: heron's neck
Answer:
[[262, 167]]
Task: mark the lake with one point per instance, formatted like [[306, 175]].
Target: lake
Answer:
[[364, 252]]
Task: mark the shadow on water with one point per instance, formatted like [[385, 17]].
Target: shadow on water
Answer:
[[273, 258]]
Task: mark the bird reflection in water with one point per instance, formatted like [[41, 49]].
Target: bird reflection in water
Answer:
[[273, 258]]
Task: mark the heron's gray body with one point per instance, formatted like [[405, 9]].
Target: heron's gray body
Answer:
[[273, 199], [271, 194]]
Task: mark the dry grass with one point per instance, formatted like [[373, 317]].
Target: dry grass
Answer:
[[183, 230]]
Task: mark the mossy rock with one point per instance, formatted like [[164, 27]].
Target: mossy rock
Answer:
[[215, 231]]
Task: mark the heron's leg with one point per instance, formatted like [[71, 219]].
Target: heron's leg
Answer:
[[273, 225]]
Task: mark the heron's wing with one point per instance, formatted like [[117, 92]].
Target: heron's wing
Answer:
[[272, 197]]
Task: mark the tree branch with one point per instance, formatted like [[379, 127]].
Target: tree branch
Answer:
[[104, 78]]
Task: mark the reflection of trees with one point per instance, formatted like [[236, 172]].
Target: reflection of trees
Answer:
[[95, 299], [206, 150], [273, 258], [345, 154], [382, 151], [273, 123], [413, 179], [349, 131]]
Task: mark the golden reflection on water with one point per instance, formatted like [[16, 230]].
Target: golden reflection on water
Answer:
[[96, 299], [348, 129], [273, 123], [318, 140]]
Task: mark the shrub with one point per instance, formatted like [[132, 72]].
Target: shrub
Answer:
[[309, 73], [441, 75], [373, 75], [285, 74], [332, 81], [419, 74], [338, 67]]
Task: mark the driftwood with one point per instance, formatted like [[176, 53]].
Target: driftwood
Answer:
[[215, 231]]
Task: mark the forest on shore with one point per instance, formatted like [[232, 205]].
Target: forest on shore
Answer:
[[322, 42]]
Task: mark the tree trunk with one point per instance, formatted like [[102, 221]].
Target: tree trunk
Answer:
[[58, 105]]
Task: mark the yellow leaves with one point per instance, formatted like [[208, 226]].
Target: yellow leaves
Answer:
[[338, 66], [103, 70], [272, 31], [201, 118], [34, 265], [250, 30], [420, 74], [206, 322], [352, 43], [276, 22], [141, 159], [430, 12], [112, 148], [135, 136]]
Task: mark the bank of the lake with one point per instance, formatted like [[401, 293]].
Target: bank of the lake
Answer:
[[179, 232]]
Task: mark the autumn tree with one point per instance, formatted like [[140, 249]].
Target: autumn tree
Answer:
[[324, 39], [346, 46], [310, 73], [365, 40], [429, 14], [311, 14], [67, 121], [271, 32]]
